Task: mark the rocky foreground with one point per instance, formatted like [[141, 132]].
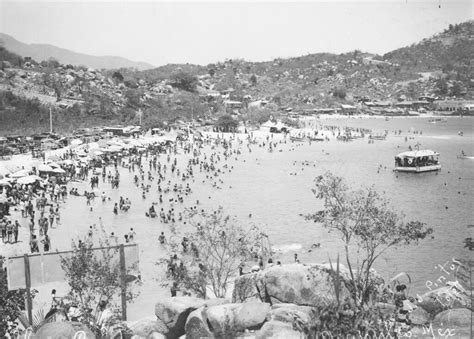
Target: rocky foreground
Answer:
[[283, 302]]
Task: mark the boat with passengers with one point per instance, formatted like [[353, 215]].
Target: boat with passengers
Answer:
[[418, 161]]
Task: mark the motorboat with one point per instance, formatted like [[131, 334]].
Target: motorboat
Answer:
[[436, 120], [418, 161]]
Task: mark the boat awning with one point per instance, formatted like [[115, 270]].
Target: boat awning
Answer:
[[417, 154]]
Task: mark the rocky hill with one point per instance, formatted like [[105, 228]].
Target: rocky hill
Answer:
[[40, 52], [440, 66]]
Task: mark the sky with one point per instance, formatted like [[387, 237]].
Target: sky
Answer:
[[197, 32]]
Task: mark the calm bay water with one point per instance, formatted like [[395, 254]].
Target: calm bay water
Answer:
[[276, 189]]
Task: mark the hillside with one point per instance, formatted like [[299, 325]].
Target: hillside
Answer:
[[86, 97], [40, 52]]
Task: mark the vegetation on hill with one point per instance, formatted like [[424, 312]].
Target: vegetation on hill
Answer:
[[438, 66]]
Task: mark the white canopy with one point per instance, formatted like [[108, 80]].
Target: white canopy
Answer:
[[417, 154], [58, 170], [29, 179], [45, 168], [20, 174]]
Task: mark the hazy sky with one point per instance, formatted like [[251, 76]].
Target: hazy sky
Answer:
[[203, 32]]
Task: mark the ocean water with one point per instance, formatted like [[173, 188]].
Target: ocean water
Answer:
[[275, 188]]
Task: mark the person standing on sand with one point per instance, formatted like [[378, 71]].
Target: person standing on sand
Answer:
[[15, 230]]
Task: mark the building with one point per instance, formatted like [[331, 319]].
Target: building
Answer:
[[231, 106], [122, 131], [348, 109], [466, 106]]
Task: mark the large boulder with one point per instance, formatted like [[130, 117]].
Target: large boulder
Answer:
[[301, 318], [250, 315], [419, 316], [145, 328], [63, 330], [220, 319], [230, 319], [278, 330], [454, 317], [309, 285], [174, 311], [245, 288], [300, 284], [197, 325], [443, 298]]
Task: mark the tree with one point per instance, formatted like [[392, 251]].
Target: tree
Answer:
[[365, 219], [11, 304], [226, 123], [339, 92], [253, 80], [184, 81], [117, 76], [441, 86], [93, 275], [213, 252]]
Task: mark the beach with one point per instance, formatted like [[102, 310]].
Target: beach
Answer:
[[273, 191]]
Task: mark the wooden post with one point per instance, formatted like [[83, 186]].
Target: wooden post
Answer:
[[29, 304], [123, 283]]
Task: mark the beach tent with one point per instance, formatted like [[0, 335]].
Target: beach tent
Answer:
[[76, 142], [58, 170], [29, 179], [20, 174], [45, 168], [95, 145], [4, 182], [3, 170], [53, 165], [53, 157]]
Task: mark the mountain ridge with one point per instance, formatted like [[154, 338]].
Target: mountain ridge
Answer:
[[41, 52]]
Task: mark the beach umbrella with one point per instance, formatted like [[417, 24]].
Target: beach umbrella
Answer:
[[4, 182], [12, 167], [53, 165], [53, 157], [20, 174], [114, 148], [4, 170], [29, 179], [44, 168], [58, 170], [76, 142], [102, 143]]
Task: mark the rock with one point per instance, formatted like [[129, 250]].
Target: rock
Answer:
[[216, 301], [454, 317], [221, 319], [146, 327], [301, 318], [250, 315], [443, 298], [174, 311], [278, 330], [197, 325], [309, 285], [419, 316], [245, 288], [386, 309], [63, 330]]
